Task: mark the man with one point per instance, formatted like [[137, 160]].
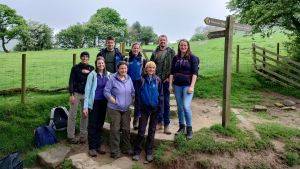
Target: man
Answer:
[[162, 56], [77, 82], [111, 55]]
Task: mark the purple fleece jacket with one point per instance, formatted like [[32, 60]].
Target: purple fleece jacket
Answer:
[[122, 91]]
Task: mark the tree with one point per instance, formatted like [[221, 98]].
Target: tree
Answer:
[[11, 25], [266, 14], [135, 32], [36, 37], [147, 35], [198, 35], [72, 37], [107, 22]]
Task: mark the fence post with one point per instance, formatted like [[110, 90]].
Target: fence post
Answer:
[[254, 54], [74, 59], [122, 46], [264, 58], [277, 51], [237, 58], [23, 85]]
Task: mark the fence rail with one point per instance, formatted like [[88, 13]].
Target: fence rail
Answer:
[[275, 67]]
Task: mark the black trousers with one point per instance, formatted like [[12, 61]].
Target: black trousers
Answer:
[[95, 123], [146, 113]]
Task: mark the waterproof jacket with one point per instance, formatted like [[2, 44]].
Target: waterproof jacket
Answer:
[[122, 91], [151, 93], [78, 78], [136, 65], [111, 66], [90, 89], [163, 63]]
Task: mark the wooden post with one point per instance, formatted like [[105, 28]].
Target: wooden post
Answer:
[[237, 58], [23, 85], [254, 54], [122, 46], [277, 51], [74, 59], [227, 71], [264, 58]]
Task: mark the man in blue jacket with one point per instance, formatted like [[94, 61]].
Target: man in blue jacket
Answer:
[[111, 55]]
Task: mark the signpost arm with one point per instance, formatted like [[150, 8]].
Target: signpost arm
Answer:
[[227, 71]]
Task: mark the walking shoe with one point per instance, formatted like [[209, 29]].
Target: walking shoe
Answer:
[[159, 126], [73, 141], [93, 153], [181, 129], [101, 150], [136, 158], [149, 157], [189, 132], [115, 156], [167, 130], [135, 123]]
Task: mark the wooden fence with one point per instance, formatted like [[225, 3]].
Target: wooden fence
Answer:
[[277, 68]]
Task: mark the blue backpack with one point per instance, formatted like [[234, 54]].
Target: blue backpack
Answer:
[[44, 135], [11, 161]]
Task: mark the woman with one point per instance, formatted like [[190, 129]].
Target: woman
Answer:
[[119, 92], [95, 105], [135, 68], [151, 101], [184, 71]]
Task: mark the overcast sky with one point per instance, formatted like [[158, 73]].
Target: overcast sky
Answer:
[[176, 19]]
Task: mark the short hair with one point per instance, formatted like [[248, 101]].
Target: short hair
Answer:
[[84, 53], [150, 64], [122, 63], [136, 43], [163, 36], [110, 38]]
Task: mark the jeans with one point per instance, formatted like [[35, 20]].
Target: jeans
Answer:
[[96, 121], [165, 116], [184, 99], [137, 87]]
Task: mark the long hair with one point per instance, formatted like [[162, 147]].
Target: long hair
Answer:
[[96, 68], [188, 52], [130, 52]]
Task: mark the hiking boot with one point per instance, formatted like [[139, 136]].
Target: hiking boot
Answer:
[[181, 129], [159, 126], [115, 156], [149, 157], [82, 140], [135, 123], [189, 132], [93, 153], [167, 130], [101, 150], [73, 141], [136, 158]]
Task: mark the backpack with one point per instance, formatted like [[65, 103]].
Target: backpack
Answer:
[[11, 161], [44, 135], [59, 118]]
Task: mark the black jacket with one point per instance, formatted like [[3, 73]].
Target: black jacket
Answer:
[[77, 79]]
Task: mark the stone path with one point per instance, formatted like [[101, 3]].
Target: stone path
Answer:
[[205, 114]]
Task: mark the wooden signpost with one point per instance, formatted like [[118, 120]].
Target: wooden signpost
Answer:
[[229, 26]]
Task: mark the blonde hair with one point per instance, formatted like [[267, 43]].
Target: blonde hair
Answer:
[[149, 64]]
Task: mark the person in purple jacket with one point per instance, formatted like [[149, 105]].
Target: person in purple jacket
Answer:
[[184, 72], [119, 92]]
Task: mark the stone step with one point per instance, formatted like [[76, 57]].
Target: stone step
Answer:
[[53, 156]]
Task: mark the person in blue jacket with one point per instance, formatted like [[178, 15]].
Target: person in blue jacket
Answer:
[[95, 105], [151, 103], [135, 70]]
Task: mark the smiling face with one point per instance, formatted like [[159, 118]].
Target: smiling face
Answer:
[[136, 49], [150, 70], [84, 59], [122, 70], [183, 46], [100, 65], [110, 44], [162, 42]]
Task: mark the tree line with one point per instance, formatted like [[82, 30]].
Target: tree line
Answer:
[[32, 35]]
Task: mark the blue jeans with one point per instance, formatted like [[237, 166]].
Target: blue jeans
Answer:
[[184, 99], [164, 117]]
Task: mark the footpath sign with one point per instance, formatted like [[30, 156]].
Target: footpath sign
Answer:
[[229, 26]]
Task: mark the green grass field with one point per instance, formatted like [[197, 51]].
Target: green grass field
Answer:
[[50, 69]]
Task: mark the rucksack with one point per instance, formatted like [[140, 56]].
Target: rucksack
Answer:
[[44, 135], [11, 161], [59, 118]]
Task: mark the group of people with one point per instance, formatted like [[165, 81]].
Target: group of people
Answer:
[[109, 88]]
